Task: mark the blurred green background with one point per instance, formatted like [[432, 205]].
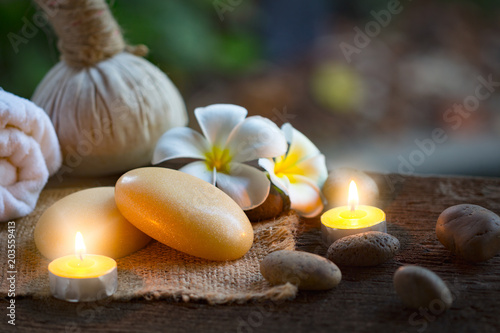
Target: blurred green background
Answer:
[[282, 59], [186, 39]]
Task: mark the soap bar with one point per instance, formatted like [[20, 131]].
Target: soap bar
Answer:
[[93, 212], [184, 212]]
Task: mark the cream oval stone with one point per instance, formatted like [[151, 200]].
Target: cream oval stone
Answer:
[[336, 187], [419, 287], [365, 249], [93, 212], [471, 231], [184, 212], [307, 271]]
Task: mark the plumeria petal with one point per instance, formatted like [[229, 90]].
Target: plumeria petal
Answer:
[[313, 168], [300, 148], [254, 138], [229, 139], [305, 196], [246, 185], [180, 142], [218, 120], [301, 171], [280, 182], [199, 169]]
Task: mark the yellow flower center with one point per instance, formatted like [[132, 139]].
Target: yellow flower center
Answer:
[[218, 159], [280, 166]]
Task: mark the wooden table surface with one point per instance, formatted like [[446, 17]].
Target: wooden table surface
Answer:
[[363, 302]]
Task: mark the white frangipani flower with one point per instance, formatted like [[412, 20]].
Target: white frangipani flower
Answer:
[[229, 140], [300, 173]]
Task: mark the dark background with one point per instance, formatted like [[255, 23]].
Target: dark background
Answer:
[[283, 59]]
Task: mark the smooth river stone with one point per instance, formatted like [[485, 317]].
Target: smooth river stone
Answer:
[[275, 204], [470, 231], [364, 249], [184, 212], [336, 187], [307, 271], [419, 287], [93, 212]]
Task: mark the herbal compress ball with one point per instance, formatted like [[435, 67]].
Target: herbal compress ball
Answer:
[[108, 105]]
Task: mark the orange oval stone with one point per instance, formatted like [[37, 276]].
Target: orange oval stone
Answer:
[[184, 212]]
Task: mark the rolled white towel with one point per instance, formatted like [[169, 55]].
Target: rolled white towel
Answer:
[[29, 154]]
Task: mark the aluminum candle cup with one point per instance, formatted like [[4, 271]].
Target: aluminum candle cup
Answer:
[[82, 277], [351, 219], [341, 222], [75, 280]]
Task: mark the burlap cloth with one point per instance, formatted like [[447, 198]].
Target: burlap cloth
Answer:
[[158, 271]]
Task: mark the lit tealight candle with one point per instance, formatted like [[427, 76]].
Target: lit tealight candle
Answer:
[[351, 219], [82, 277]]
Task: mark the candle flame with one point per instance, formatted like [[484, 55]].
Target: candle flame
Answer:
[[80, 248], [353, 199]]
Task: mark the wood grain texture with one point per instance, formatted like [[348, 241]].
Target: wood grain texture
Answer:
[[364, 301]]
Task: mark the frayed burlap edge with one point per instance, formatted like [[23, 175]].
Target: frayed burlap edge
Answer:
[[159, 272], [287, 291]]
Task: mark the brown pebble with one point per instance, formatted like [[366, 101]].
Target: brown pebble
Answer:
[[419, 287], [365, 249], [307, 271], [470, 231], [275, 204]]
